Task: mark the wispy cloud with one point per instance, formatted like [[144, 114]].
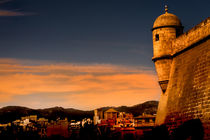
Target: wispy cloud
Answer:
[[82, 86], [5, 1], [11, 13]]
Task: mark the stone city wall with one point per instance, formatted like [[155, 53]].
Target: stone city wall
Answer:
[[189, 84], [197, 33]]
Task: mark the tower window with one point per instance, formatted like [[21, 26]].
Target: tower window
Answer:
[[178, 32], [157, 37]]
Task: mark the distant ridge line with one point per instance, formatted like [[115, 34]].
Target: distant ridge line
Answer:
[[11, 113]]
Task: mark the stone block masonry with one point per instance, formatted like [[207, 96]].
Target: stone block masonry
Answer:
[[183, 60]]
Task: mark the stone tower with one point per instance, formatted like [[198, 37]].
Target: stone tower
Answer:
[[182, 62], [165, 29]]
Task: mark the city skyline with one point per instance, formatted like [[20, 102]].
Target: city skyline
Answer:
[[82, 54]]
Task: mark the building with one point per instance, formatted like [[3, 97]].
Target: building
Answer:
[[42, 121], [110, 114], [60, 127], [125, 120], [31, 118], [145, 120], [96, 117], [182, 64]]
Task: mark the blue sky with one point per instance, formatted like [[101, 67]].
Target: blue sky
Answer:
[[88, 31], [116, 33]]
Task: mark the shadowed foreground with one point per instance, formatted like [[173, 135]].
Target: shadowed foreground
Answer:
[[189, 130]]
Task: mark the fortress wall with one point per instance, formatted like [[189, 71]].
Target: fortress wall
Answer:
[[194, 35], [189, 84]]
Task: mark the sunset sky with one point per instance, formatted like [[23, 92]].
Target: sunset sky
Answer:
[[83, 54]]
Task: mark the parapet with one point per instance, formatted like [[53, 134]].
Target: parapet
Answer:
[[198, 33]]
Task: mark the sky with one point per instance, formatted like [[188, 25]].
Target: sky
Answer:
[[83, 54]]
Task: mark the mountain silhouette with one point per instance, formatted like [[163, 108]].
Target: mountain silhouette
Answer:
[[11, 113]]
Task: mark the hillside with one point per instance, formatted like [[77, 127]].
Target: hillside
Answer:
[[149, 107], [11, 113]]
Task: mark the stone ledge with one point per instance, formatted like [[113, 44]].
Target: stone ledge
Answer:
[[194, 35]]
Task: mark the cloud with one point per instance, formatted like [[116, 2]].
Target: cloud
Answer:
[[4, 1], [5, 13], [83, 86], [11, 13]]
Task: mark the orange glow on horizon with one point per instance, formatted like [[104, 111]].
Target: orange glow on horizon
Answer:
[[85, 86]]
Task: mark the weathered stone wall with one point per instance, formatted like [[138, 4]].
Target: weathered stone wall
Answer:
[[163, 46], [189, 88], [187, 97], [163, 67], [192, 36]]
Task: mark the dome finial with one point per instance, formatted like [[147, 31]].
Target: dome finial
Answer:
[[166, 8]]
